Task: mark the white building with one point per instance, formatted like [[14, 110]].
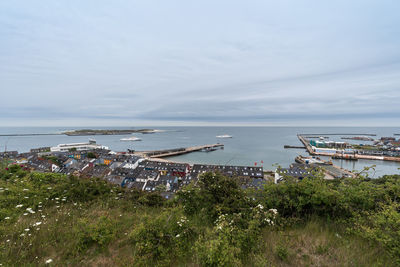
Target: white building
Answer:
[[78, 146]]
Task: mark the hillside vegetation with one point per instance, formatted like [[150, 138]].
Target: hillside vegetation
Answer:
[[50, 219]]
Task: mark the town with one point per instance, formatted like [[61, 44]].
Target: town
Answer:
[[127, 169]]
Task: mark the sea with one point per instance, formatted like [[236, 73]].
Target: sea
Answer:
[[250, 146]]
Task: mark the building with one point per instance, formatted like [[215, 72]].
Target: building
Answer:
[[230, 171], [40, 149], [296, 171], [91, 145]]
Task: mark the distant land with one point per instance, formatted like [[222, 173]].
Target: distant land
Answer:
[[85, 132], [107, 132]]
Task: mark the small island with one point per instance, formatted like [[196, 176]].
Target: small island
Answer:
[[85, 132]]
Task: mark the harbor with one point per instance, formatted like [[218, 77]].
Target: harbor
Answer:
[[347, 153], [248, 145]]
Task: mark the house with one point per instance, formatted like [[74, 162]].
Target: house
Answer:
[[231, 171], [40, 149], [297, 171]]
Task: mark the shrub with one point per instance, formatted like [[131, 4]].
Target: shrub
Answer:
[[164, 238], [382, 227], [214, 195], [98, 233], [217, 252], [281, 252]]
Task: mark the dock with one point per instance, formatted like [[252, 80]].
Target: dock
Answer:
[[33, 134], [297, 147], [331, 171], [178, 151], [324, 134], [353, 157]]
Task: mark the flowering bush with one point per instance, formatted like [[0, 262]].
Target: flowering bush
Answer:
[[164, 238]]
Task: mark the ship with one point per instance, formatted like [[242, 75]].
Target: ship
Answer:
[[224, 136], [132, 138]]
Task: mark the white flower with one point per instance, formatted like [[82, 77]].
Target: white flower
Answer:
[[49, 188], [27, 230], [19, 206], [22, 234], [178, 235], [25, 189], [30, 210], [8, 240], [56, 198], [6, 218], [274, 211], [49, 261], [25, 214], [37, 224]]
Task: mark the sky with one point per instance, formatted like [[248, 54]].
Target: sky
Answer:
[[170, 62]]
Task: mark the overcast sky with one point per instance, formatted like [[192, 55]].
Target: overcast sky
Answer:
[[199, 62]]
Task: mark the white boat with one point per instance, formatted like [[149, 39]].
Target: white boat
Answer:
[[132, 138], [224, 136]]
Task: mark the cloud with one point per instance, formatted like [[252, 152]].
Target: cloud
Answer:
[[259, 61]]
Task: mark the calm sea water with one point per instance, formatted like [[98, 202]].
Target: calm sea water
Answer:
[[248, 145]]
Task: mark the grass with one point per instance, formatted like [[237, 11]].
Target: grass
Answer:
[[96, 223], [318, 243]]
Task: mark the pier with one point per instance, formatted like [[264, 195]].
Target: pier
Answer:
[[353, 156], [331, 171], [33, 134], [323, 134], [178, 151], [297, 147]]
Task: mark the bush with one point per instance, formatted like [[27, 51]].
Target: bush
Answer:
[[281, 252], [151, 200], [383, 227], [217, 252], [164, 238], [214, 195], [330, 199], [99, 233]]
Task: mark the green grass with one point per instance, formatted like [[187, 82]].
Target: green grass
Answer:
[[102, 225], [318, 243]]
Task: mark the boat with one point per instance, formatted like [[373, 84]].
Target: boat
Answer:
[[132, 138], [224, 136], [209, 149]]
